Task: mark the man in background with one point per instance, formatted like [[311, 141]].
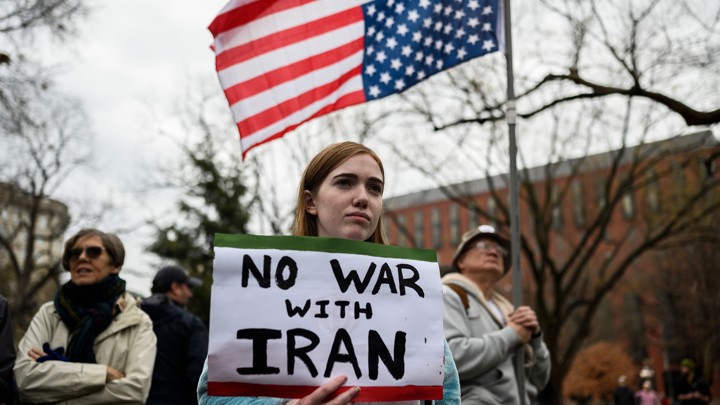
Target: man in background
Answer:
[[7, 353], [182, 339]]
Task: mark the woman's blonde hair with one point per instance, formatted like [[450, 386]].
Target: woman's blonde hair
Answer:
[[315, 173]]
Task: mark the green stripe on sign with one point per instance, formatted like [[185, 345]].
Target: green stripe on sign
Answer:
[[318, 244]]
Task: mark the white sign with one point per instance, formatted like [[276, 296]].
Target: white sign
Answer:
[[289, 313]]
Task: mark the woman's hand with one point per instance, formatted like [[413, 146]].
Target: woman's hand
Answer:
[[318, 396], [113, 374], [35, 353]]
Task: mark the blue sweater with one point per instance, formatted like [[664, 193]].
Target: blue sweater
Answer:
[[451, 389]]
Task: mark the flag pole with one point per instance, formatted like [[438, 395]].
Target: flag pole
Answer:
[[510, 116]]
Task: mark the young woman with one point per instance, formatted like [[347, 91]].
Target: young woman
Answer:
[[92, 344], [340, 196]]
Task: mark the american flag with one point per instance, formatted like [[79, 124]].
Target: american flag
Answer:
[[285, 62]]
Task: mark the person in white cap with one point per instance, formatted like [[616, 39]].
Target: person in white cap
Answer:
[[483, 329]]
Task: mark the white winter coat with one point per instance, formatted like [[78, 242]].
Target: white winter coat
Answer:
[[128, 345]]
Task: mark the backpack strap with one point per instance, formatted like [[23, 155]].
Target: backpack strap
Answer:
[[461, 293]]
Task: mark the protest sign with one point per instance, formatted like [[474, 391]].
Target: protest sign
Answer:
[[288, 313]]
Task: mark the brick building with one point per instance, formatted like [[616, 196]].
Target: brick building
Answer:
[[601, 219], [18, 210]]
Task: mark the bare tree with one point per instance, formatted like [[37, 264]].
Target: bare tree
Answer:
[[593, 77], [44, 145], [23, 23]]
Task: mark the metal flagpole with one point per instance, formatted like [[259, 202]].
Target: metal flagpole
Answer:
[[510, 116]]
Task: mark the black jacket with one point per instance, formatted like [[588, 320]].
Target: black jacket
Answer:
[[7, 353], [182, 343]]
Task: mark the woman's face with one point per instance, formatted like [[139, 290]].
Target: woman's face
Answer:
[[89, 261], [348, 203]]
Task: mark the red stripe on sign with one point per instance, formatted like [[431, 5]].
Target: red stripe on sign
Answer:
[[367, 394], [278, 40]]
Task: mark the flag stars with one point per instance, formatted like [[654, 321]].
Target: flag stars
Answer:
[[370, 70], [488, 45], [487, 10], [438, 45], [439, 64], [371, 10], [421, 75], [429, 60], [369, 50], [406, 51], [374, 91], [428, 42], [449, 48], [473, 5], [459, 15], [402, 29], [391, 43], [381, 16], [438, 26], [389, 22], [460, 33], [385, 77], [371, 31], [447, 29], [419, 56], [417, 36], [427, 23], [438, 9], [487, 27], [399, 84], [380, 36], [425, 3], [448, 10], [410, 70], [400, 8], [396, 64], [473, 39], [413, 16], [473, 22], [381, 56], [461, 53]]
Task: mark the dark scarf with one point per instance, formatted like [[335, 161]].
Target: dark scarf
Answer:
[[87, 310]]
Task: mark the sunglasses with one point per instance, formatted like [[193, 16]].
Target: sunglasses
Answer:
[[91, 252], [486, 247]]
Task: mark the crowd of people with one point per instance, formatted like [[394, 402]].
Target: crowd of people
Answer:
[[95, 344]]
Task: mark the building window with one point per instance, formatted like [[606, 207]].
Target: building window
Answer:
[[436, 227], [454, 215], [679, 187], [600, 195], [628, 205], [653, 193], [419, 228], [557, 214], [578, 201], [402, 231], [492, 212], [472, 217]]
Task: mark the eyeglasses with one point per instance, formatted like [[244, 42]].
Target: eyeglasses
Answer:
[[92, 252], [484, 246]]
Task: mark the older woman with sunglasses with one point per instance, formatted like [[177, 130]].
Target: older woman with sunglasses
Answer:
[[92, 344]]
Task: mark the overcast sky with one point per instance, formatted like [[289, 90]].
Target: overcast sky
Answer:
[[131, 57]]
